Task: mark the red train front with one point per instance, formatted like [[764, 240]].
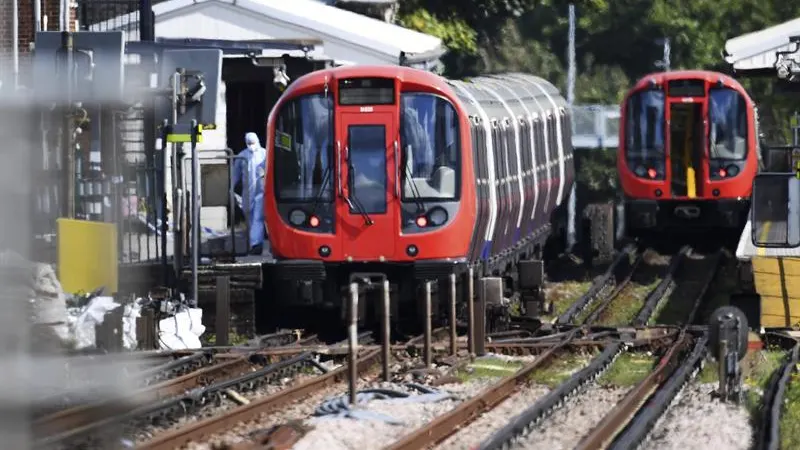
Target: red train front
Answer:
[[687, 153], [338, 199]]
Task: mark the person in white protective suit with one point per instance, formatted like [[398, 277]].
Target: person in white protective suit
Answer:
[[253, 166]]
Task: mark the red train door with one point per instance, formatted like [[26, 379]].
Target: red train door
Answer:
[[368, 207]]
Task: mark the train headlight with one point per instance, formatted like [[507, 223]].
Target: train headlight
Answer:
[[733, 170], [297, 217], [437, 216], [640, 171]]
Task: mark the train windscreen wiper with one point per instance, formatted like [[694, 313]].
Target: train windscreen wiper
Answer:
[[354, 203], [325, 179], [415, 195]]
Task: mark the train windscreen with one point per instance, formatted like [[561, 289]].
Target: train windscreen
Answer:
[[431, 151], [727, 114], [644, 134], [303, 150], [366, 91]]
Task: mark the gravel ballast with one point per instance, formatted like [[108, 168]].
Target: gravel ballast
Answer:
[[567, 426], [495, 419], [358, 434], [697, 421]]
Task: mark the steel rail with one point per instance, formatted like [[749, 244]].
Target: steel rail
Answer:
[[602, 435], [769, 429], [662, 289], [622, 284], [523, 422], [248, 412], [82, 415], [599, 286], [646, 417], [183, 403], [447, 424]]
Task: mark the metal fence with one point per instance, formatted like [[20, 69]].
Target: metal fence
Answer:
[[595, 126], [106, 15]]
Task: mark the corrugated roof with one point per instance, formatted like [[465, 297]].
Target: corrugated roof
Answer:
[[756, 50], [317, 19]]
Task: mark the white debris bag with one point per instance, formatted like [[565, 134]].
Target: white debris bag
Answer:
[[49, 306], [181, 331], [85, 318]]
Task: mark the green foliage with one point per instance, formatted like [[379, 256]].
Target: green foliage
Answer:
[[617, 42], [455, 33]]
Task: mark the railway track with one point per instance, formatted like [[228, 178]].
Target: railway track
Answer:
[[681, 349], [768, 437], [217, 375], [685, 351], [684, 279]]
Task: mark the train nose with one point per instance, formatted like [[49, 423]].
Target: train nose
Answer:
[[687, 212]]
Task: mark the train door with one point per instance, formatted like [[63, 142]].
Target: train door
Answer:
[[686, 148], [368, 207]]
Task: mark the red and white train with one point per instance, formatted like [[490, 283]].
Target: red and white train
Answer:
[[688, 152], [396, 171]]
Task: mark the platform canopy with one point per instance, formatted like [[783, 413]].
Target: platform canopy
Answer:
[[347, 36], [755, 52]]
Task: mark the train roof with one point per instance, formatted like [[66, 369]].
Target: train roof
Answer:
[[405, 74], [493, 94], [707, 75]]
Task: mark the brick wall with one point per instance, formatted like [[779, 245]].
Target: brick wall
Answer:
[[50, 8]]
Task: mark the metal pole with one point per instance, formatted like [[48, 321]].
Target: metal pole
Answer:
[[15, 41], [721, 373], [146, 29], [352, 358], [386, 330], [469, 297], [37, 12], [176, 190], [453, 331], [223, 312], [68, 152], [667, 49], [571, 74], [164, 203], [195, 213], [427, 350]]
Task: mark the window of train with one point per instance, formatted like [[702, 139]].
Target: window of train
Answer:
[[429, 137], [537, 128], [303, 150], [727, 113], [644, 131]]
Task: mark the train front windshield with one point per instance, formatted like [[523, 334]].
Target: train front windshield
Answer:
[[303, 150], [644, 134], [429, 138], [727, 114]]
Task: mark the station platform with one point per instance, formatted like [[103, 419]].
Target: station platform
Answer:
[[775, 272]]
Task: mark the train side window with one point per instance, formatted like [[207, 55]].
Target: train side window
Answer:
[[542, 144], [302, 149]]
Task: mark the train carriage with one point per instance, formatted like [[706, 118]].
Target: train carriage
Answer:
[[401, 173]]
